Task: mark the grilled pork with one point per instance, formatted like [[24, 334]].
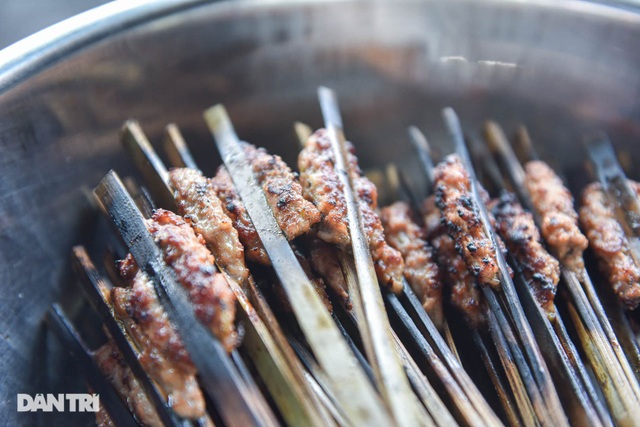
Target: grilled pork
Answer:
[[420, 268], [610, 245], [195, 268], [559, 221]]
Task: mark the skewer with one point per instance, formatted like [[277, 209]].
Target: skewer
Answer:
[[518, 374], [155, 173], [366, 296], [430, 400], [176, 149], [538, 366], [578, 283], [118, 412], [95, 286], [361, 403], [508, 405], [523, 147], [278, 369], [242, 406]]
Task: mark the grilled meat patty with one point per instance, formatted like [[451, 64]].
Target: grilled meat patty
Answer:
[[518, 230], [461, 216], [199, 204], [322, 187], [222, 185], [420, 268], [610, 245], [295, 215], [162, 352], [559, 220], [113, 366], [194, 265], [465, 293]]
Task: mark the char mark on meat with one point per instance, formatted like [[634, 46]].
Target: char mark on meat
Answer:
[[518, 230], [194, 265], [461, 216], [559, 221]]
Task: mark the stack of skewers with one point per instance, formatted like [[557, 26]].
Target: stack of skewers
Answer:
[[264, 296]]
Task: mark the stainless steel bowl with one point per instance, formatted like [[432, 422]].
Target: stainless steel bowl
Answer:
[[562, 68]]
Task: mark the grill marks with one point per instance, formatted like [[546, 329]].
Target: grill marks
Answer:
[[559, 221], [194, 265], [453, 198], [518, 230], [465, 294], [610, 245]]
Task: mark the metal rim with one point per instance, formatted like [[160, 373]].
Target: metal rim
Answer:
[[42, 49]]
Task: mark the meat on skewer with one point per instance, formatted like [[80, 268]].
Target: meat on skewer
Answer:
[[162, 353], [112, 364], [517, 229], [420, 268], [559, 220], [294, 214], [195, 268], [465, 295], [235, 210], [461, 216], [322, 186], [199, 204], [324, 261], [610, 245]]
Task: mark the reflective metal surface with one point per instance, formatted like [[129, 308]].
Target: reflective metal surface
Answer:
[[562, 69]]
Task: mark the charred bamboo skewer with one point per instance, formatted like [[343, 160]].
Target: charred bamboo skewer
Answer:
[[95, 287], [242, 406], [512, 304], [155, 173], [118, 412], [361, 402], [176, 148], [519, 375], [606, 345], [430, 400], [373, 323], [279, 369], [508, 405], [523, 403]]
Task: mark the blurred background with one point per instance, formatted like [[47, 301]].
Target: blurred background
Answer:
[[20, 18]]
